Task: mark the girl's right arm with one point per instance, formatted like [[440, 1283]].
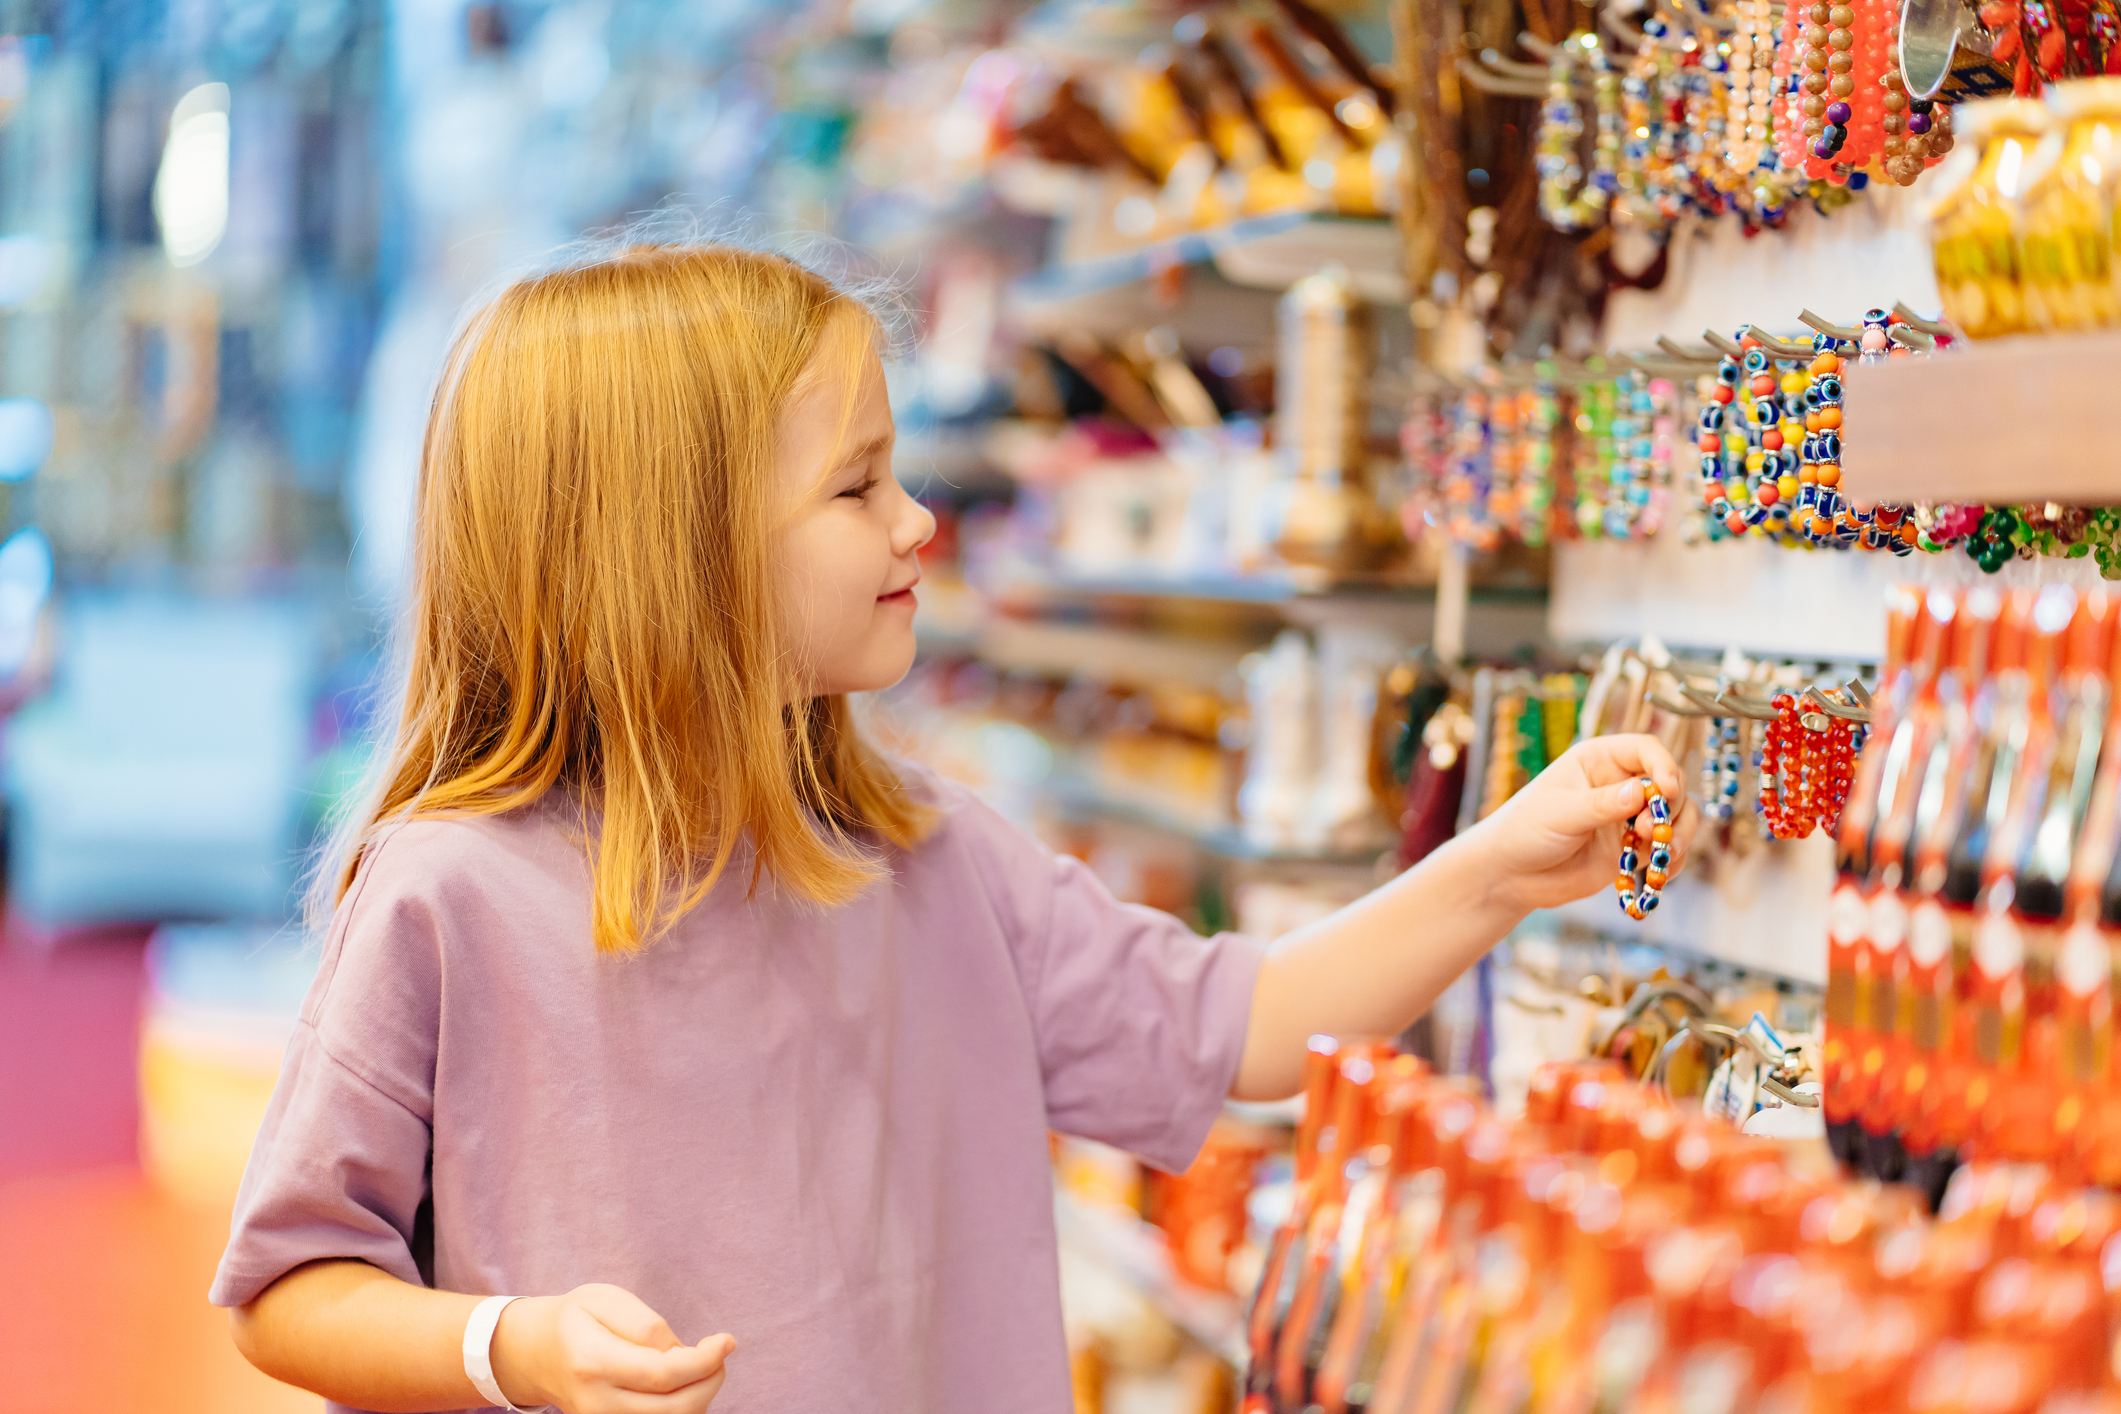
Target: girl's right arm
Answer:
[[361, 1337]]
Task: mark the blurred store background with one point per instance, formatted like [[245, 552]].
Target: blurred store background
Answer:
[[234, 238]]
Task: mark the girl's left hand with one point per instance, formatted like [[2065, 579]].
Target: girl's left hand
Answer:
[[1558, 839]]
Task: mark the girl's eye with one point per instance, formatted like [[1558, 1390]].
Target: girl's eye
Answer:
[[861, 491]]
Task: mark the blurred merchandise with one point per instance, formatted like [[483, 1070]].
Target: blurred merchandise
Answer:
[[162, 776], [221, 1006]]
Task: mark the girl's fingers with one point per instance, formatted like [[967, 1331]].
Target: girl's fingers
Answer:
[[1585, 812], [627, 1316], [667, 1371], [1633, 754], [696, 1399], [693, 1399]]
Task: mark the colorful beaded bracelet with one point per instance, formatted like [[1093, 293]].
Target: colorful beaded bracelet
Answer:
[[1638, 892]]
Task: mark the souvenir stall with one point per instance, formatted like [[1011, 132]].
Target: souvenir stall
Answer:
[[1411, 390]]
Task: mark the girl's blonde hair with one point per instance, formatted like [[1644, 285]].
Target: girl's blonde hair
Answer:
[[592, 603]]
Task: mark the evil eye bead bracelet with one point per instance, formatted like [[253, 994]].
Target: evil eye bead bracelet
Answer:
[[1638, 887]]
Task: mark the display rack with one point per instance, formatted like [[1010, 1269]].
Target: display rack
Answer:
[[1275, 588], [1757, 597], [1367, 248], [1076, 792], [1231, 274], [1112, 654], [1268, 252], [1767, 915]]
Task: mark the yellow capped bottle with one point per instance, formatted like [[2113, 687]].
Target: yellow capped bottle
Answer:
[[2066, 255], [1977, 224]]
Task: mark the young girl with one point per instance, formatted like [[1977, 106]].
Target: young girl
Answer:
[[658, 1002]]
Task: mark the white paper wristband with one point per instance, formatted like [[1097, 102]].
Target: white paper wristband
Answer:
[[478, 1350]]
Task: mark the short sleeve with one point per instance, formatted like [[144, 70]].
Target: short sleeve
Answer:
[[339, 1168], [1139, 1022]]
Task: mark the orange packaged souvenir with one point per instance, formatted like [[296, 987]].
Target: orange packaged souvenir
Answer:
[[1878, 954], [1286, 1251], [1957, 855], [1378, 1272], [1906, 999], [1202, 1211], [1940, 935], [1316, 1296], [1436, 1269], [1842, 1023]]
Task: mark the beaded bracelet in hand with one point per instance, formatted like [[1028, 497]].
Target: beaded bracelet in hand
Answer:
[[1638, 893]]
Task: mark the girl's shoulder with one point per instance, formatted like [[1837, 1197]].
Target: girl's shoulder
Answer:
[[969, 838], [439, 858]]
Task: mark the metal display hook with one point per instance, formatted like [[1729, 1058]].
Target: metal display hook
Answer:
[[1835, 709], [1649, 994], [1680, 351], [1709, 701], [1736, 704], [1658, 699], [1829, 328], [1781, 347], [1732, 1040], [1932, 327]]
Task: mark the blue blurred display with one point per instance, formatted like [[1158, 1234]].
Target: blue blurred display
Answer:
[[235, 239], [25, 437]]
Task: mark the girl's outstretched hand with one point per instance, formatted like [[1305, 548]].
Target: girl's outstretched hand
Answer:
[[1558, 839], [600, 1350]]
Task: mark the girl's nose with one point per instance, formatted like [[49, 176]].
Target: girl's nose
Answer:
[[915, 528]]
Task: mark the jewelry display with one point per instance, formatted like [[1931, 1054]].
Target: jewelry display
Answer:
[[1801, 100]]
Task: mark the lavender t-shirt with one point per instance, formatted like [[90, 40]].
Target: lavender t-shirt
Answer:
[[821, 1130]]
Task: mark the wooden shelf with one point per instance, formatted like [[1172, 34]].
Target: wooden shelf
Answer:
[[2028, 418], [1080, 794], [1268, 252], [1114, 654], [1499, 619], [1250, 262], [1269, 588], [1368, 247]]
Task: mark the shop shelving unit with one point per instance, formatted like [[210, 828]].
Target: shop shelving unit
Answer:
[[1268, 252], [1075, 792], [1769, 919], [1229, 277]]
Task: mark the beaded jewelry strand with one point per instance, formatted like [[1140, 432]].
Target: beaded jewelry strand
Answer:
[[1639, 891], [1542, 422], [1594, 454], [1565, 199]]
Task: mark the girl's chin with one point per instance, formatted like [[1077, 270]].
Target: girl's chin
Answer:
[[885, 659]]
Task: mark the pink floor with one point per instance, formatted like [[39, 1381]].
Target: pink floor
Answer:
[[102, 1275]]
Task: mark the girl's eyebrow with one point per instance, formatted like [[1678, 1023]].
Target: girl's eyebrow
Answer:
[[868, 449]]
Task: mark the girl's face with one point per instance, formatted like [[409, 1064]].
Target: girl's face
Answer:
[[846, 556]]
